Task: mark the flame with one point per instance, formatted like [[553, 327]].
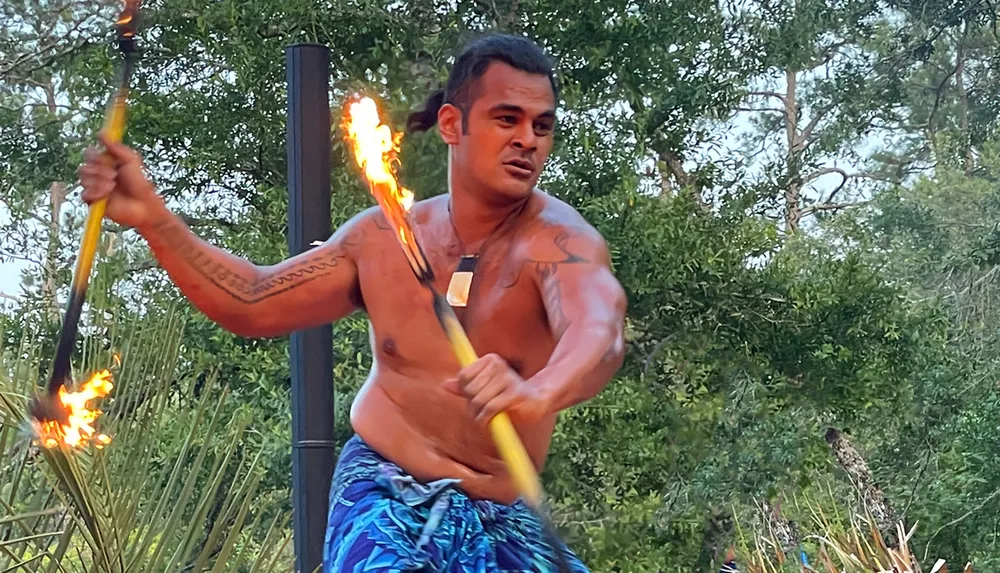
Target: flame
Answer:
[[125, 22], [375, 150], [80, 429]]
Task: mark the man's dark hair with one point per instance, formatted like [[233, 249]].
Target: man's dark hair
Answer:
[[460, 91]]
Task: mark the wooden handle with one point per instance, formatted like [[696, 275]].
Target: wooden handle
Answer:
[[504, 435], [114, 129]]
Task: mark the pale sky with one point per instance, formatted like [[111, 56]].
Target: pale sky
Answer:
[[10, 279]]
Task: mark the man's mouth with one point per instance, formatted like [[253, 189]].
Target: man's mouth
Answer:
[[520, 167]]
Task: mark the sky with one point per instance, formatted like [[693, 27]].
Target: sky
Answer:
[[10, 279]]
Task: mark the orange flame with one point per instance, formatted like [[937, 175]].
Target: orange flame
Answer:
[[376, 149], [79, 430], [376, 152], [125, 22]]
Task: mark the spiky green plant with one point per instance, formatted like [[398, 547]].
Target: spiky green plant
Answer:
[[839, 544], [176, 490]]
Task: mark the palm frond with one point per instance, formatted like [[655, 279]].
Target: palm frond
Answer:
[[178, 488]]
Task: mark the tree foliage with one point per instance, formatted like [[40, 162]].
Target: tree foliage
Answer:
[[800, 199]]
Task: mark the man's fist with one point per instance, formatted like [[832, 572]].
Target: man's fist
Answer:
[[117, 175], [491, 386]]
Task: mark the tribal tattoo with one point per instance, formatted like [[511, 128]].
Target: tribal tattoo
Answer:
[[253, 290], [547, 270], [553, 300]]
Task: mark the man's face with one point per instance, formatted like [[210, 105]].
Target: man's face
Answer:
[[509, 134]]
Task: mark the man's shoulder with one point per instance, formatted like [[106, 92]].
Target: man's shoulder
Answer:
[[558, 232], [370, 217], [555, 216]]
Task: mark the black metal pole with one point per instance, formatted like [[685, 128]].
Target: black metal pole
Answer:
[[311, 351]]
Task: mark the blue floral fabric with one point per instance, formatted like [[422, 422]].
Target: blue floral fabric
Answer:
[[382, 519]]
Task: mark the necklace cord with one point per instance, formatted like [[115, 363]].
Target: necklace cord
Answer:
[[513, 216]]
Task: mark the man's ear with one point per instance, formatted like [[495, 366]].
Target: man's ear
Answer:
[[449, 123]]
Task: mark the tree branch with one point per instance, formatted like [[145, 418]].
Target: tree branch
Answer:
[[958, 520], [12, 297], [193, 222], [34, 216], [780, 97], [761, 110], [825, 171], [140, 267], [684, 179], [807, 132], [859, 175], [24, 258], [47, 28], [830, 207], [825, 55]]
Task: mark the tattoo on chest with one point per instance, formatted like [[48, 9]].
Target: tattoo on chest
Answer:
[[255, 289]]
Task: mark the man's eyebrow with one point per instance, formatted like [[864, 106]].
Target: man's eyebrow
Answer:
[[511, 108]]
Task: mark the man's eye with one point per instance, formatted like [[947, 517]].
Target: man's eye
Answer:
[[543, 129], [508, 119]]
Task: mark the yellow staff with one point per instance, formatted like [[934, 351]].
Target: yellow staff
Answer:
[[47, 407]]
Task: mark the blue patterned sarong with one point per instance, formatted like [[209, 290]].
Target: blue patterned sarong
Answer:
[[382, 519]]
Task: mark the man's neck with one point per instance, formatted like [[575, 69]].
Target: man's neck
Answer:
[[475, 220]]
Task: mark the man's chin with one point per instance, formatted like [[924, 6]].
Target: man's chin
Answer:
[[518, 188], [506, 189]]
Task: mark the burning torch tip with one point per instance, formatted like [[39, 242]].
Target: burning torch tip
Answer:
[[48, 409]]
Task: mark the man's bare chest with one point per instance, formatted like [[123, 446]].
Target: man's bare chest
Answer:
[[504, 313]]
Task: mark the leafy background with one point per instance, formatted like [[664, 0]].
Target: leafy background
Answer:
[[801, 200]]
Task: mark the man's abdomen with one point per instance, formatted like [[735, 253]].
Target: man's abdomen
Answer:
[[430, 434]]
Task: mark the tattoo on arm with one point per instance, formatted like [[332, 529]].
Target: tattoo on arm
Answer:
[[552, 298], [550, 283], [254, 289]]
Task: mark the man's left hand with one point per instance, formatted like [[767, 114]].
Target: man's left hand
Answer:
[[491, 386]]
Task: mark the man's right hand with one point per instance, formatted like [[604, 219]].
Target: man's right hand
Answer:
[[117, 175]]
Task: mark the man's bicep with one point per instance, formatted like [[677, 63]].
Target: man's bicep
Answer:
[[314, 287], [575, 280], [582, 295]]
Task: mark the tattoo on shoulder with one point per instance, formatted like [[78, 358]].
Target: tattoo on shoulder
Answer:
[[557, 252], [546, 262], [255, 289], [564, 252]]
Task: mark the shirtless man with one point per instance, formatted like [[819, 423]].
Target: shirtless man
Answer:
[[421, 485]]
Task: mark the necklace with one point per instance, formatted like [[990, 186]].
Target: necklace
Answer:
[[461, 280]]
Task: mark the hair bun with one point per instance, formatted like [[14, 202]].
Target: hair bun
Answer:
[[426, 118]]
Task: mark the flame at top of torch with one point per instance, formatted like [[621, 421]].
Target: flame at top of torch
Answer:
[[127, 24], [376, 149], [376, 153]]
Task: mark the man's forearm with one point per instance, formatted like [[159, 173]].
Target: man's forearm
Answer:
[[584, 361], [311, 288], [217, 283]]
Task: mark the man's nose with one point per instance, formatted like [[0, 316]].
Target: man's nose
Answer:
[[525, 138]]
